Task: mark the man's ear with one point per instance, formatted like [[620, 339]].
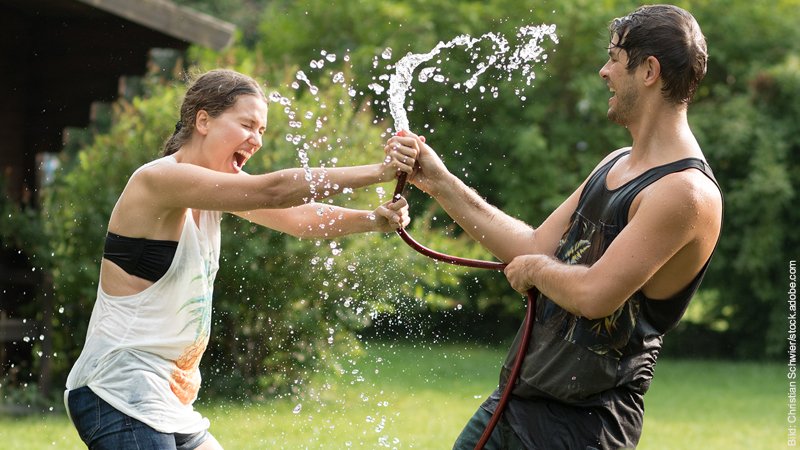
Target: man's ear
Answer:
[[201, 120], [653, 70]]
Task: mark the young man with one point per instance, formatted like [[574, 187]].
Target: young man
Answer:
[[616, 263]]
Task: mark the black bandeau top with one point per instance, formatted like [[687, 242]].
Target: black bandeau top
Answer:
[[145, 258]]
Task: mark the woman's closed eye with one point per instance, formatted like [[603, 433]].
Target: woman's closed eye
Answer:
[[254, 128]]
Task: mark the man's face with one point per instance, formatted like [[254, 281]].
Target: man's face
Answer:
[[621, 106]]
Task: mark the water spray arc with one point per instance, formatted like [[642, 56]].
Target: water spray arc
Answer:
[[501, 57]]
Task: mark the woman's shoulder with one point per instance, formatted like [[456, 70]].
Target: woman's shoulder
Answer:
[[152, 168], [169, 159]]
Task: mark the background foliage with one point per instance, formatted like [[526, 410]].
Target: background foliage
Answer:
[[285, 307]]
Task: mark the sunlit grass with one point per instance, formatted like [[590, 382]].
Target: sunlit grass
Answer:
[[716, 405], [408, 396], [405, 397]]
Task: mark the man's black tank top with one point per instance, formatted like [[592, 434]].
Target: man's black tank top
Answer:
[[595, 363]]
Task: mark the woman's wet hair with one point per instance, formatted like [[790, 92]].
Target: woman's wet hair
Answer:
[[214, 92], [672, 36]]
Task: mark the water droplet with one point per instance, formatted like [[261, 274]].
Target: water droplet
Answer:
[[377, 88]]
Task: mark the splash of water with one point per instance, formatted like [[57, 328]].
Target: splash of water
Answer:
[[503, 57], [527, 52], [491, 54]]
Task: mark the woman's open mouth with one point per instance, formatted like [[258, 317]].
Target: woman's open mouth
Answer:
[[239, 159]]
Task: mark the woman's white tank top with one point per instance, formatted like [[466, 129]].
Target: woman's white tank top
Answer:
[[142, 351]]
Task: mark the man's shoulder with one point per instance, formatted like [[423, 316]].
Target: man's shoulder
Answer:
[[691, 181], [690, 191]]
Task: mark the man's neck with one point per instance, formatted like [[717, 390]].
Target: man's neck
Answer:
[[662, 134]]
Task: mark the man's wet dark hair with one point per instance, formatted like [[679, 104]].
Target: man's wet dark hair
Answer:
[[672, 36]]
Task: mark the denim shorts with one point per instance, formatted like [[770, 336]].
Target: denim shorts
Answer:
[[102, 427]]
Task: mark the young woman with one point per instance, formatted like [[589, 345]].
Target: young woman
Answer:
[[138, 373]]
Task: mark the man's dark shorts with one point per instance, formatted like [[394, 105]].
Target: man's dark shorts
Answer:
[[502, 438]]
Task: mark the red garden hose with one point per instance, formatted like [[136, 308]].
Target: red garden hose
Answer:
[[527, 324]]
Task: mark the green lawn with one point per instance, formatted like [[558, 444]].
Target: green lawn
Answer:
[[405, 396]]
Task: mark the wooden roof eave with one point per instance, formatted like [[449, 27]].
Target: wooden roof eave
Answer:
[[173, 20]]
